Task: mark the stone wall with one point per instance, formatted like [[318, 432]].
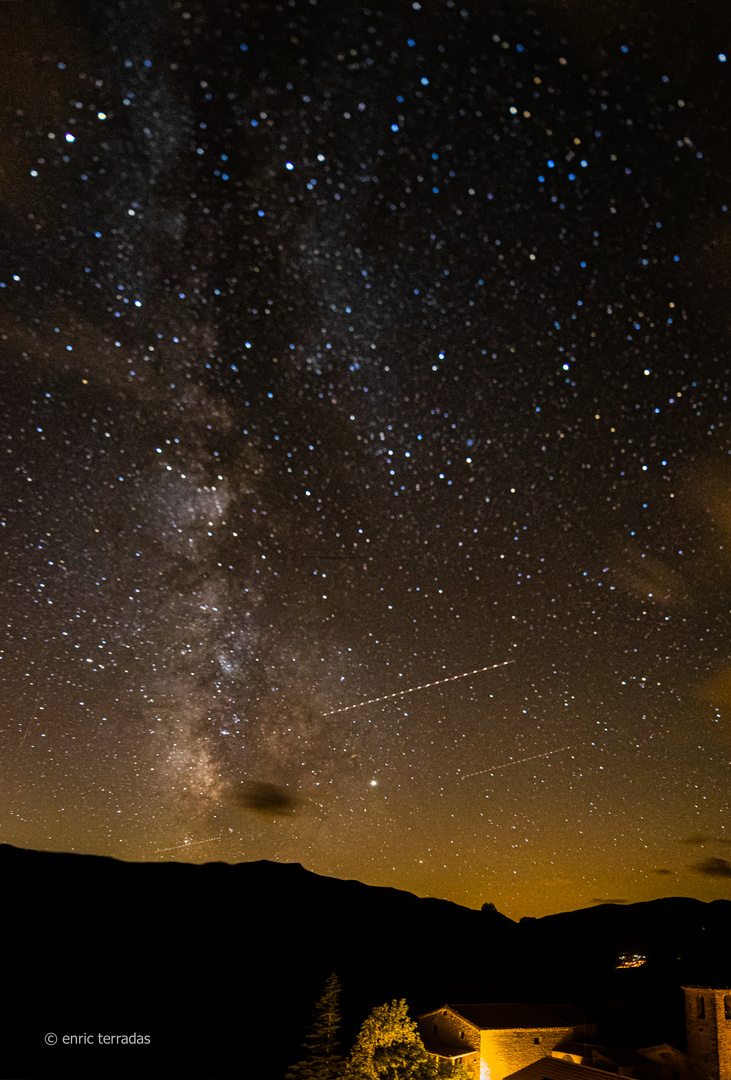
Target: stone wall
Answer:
[[450, 1028], [708, 1027], [504, 1052], [454, 1031]]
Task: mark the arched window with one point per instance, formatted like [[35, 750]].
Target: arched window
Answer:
[[700, 1005]]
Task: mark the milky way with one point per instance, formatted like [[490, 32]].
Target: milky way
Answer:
[[345, 348]]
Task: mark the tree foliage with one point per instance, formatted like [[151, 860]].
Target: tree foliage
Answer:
[[321, 1060], [388, 1047]]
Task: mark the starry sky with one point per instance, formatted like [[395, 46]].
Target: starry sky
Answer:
[[347, 349]]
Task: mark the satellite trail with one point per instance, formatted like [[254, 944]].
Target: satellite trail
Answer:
[[520, 761], [189, 843], [424, 686]]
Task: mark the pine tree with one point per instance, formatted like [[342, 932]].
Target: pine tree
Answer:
[[322, 1060]]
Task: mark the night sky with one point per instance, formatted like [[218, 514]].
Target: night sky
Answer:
[[347, 349]]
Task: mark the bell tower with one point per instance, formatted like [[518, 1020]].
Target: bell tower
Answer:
[[708, 1027]]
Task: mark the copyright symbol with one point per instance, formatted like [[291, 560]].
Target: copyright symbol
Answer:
[[51, 1038]]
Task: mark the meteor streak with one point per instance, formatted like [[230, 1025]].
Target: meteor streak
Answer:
[[424, 686], [507, 765]]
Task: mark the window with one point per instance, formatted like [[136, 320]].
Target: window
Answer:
[[537, 1039], [727, 1007], [700, 1003], [461, 1034]]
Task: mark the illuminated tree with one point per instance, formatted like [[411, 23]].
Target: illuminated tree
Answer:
[[388, 1047], [322, 1060]]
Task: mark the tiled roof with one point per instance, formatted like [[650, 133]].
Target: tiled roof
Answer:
[[621, 1055], [568, 1046], [445, 1050], [493, 1017], [554, 1069]]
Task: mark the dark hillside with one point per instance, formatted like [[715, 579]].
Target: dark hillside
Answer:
[[220, 964]]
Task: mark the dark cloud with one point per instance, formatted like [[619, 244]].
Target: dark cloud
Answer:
[[269, 800], [604, 900], [703, 838], [713, 867], [664, 872], [642, 576]]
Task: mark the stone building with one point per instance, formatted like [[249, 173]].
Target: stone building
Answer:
[[492, 1041], [548, 1042], [708, 1027]]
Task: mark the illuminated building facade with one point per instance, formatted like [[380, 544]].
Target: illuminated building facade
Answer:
[[494, 1040], [547, 1042]]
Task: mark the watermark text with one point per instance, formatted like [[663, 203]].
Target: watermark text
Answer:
[[98, 1038]]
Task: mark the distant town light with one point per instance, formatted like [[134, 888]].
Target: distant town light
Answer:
[[631, 960]]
